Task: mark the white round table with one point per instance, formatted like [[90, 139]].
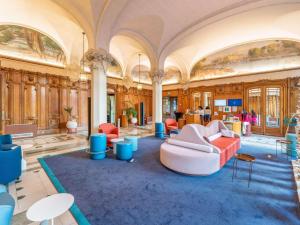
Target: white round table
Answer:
[[114, 142], [50, 207]]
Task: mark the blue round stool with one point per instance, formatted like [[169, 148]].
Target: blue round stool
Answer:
[[133, 140], [124, 150], [159, 130], [7, 206], [292, 148], [2, 188], [98, 146]]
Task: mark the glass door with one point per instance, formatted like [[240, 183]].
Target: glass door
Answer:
[[264, 107], [255, 109], [273, 115]]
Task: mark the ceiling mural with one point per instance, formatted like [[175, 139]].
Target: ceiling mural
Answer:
[[144, 77], [24, 43], [115, 70], [249, 58], [172, 76]]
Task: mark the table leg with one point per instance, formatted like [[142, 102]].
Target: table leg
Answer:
[[250, 173], [233, 168]]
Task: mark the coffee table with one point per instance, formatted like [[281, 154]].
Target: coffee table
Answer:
[[50, 207], [246, 158]]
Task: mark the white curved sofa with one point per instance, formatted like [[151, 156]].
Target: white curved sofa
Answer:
[[190, 152]]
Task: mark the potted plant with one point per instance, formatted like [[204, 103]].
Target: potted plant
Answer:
[[72, 123], [131, 114]]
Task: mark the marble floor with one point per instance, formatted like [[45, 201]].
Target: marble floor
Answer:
[[35, 184]]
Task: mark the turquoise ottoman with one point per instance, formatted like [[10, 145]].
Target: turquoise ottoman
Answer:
[[159, 130], [2, 188], [7, 206], [98, 146], [292, 148], [133, 140], [124, 150]]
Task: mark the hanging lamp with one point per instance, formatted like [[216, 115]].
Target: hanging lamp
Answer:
[[83, 75], [139, 85]]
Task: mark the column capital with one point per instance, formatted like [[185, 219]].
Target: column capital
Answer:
[[157, 76], [98, 59]]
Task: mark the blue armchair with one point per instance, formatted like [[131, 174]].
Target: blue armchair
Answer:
[[7, 206], [10, 164]]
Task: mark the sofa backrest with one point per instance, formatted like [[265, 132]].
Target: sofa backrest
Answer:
[[5, 139], [107, 128], [191, 133]]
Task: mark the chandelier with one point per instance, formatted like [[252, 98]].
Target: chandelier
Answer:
[[83, 76], [139, 85]]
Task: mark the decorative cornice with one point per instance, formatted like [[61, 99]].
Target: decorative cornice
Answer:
[[127, 82]]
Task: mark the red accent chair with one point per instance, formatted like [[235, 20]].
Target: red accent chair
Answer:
[[170, 124], [110, 130]]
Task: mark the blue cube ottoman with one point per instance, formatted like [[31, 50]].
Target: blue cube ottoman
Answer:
[[124, 150]]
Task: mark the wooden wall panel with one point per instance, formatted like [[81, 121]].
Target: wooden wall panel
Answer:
[[30, 104], [35, 98], [74, 102], [83, 108]]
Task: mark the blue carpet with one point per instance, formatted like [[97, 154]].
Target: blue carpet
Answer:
[[144, 192]]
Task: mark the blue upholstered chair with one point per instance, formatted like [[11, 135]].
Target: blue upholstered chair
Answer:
[[6, 141], [7, 206], [10, 164], [124, 150]]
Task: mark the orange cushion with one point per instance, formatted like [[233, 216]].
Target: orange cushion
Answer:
[[172, 127], [228, 147]]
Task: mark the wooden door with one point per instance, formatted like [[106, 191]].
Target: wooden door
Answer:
[[267, 103]]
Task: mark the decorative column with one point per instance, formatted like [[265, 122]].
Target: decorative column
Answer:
[[98, 60], [157, 78]]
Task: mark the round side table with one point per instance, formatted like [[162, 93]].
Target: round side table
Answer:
[[114, 142], [50, 207]]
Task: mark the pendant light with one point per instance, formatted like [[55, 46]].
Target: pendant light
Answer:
[[139, 85], [82, 75]]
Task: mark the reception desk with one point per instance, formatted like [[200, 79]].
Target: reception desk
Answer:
[[235, 126], [192, 118]]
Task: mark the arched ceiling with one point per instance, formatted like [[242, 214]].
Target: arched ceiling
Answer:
[[49, 19], [169, 32]]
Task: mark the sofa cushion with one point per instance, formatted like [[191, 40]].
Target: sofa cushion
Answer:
[[214, 136], [227, 133], [203, 148], [228, 147], [6, 147]]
